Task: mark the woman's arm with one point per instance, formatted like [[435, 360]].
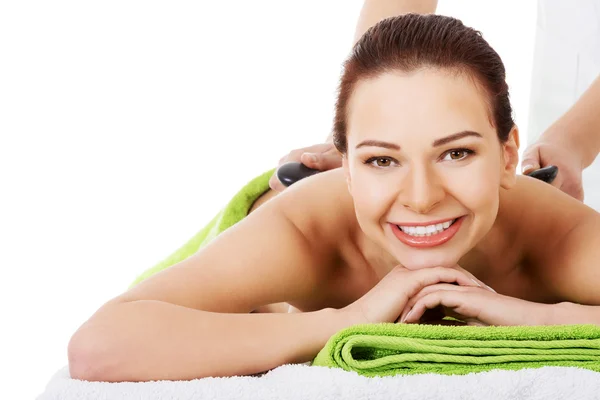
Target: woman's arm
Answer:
[[579, 128], [145, 340], [374, 11], [571, 143], [191, 320]]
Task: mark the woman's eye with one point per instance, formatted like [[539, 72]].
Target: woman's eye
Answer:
[[380, 162], [457, 154]]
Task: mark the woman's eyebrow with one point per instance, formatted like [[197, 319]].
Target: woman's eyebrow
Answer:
[[378, 143], [436, 143], [455, 136]]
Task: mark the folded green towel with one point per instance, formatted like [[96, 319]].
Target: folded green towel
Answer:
[[234, 211], [406, 349]]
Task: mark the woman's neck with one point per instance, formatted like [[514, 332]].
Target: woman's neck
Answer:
[[497, 254]]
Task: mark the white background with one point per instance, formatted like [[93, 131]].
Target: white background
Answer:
[[125, 126]]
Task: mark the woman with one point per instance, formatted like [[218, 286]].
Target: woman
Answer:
[[426, 211]]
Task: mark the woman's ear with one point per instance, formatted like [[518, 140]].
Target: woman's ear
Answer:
[[346, 168], [510, 159]]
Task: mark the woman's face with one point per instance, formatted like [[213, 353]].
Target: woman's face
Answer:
[[424, 165]]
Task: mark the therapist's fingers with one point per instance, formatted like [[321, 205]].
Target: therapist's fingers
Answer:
[[325, 159], [322, 161], [275, 184], [531, 159], [296, 154]]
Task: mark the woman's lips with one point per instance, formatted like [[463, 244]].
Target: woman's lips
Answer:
[[428, 241]]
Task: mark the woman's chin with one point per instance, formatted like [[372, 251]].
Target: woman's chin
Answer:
[[423, 260], [414, 267]]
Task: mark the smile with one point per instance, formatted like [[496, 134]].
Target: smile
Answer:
[[426, 230], [430, 234]]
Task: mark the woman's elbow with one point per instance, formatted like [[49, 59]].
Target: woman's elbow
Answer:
[[86, 362], [94, 353]]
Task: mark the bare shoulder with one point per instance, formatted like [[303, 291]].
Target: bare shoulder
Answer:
[[321, 206], [537, 206], [558, 233], [283, 251]]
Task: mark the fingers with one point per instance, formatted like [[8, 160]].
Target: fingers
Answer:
[[326, 158], [463, 302], [296, 155], [431, 281], [323, 161], [458, 267], [431, 276], [531, 159], [550, 151], [424, 292], [275, 184]]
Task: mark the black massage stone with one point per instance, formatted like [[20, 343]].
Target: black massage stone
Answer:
[[291, 172], [546, 174]]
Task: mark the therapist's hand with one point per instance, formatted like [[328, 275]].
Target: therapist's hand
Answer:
[[550, 150], [325, 155]]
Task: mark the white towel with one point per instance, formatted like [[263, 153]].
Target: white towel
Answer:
[[298, 381]]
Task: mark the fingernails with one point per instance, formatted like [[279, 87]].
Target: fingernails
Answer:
[[489, 288], [527, 168], [406, 316], [483, 286], [477, 283]]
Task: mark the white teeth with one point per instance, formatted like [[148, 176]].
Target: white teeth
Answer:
[[426, 230]]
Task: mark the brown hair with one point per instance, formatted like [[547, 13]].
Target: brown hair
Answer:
[[412, 41]]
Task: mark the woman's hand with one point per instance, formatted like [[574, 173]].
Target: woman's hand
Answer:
[[386, 300], [326, 157], [475, 306]]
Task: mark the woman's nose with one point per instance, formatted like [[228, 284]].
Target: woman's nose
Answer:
[[423, 190]]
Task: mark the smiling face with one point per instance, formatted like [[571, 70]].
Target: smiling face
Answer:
[[424, 164]]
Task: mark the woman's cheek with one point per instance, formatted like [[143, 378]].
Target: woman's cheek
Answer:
[[375, 191], [373, 196], [474, 185]]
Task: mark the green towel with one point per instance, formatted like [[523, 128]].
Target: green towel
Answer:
[[406, 349], [234, 211]]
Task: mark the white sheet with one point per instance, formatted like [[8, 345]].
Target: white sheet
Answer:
[[320, 383]]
